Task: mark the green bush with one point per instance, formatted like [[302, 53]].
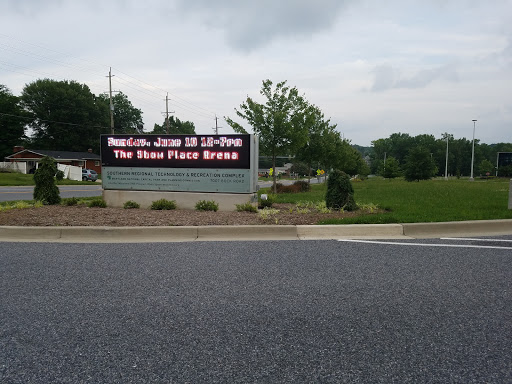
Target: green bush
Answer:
[[340, 194], [130, 204], [280, 188], [297, 187], [266, 203], [59, 175], [204, 205], [163, 205], [97, 203], [246, 207], [45, 189], [303, 185], [70, 201]]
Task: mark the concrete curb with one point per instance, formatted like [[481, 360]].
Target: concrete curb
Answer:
[[254, 232], [458, 228], [350, 231]]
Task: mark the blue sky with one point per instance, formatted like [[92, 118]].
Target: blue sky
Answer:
[[373, 67]]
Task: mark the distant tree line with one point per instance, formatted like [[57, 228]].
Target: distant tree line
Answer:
[[391, 157], [67, 116]]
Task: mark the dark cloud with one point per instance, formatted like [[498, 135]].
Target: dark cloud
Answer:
[[249, 25]]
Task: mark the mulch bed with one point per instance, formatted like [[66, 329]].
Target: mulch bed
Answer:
[[82, 215]]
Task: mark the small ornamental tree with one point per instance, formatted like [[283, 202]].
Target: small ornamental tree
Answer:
[[391, 168], [419, 165], [340, 194], [46, 190]]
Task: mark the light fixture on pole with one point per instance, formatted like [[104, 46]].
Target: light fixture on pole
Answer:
[[473, 151]]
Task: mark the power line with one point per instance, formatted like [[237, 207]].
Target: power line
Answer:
[[183, 104], [51, 121], [176, 96]]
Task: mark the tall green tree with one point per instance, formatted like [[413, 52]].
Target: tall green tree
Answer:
[[280, 122], [65, 115], [127, 118], [12, 124], [339, 154], [319, 141], [486, 167], [176, 126], [419, 165]]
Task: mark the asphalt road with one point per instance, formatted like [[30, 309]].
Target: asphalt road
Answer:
[[27, 192], [95, 189], [240, 312]]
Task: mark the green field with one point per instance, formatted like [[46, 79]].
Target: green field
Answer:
[[425, 201]]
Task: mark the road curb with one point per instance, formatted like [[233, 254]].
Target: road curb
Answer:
[[247, 232], [254, 232], [350, 231], [458, 228]]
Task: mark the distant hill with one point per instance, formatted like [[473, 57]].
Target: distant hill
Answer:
[[365, 151]]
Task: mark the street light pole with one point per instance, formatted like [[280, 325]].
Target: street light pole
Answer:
[[473, 152], [446, 164]]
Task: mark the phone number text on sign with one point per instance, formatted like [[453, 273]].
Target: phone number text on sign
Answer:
[[181, 180]]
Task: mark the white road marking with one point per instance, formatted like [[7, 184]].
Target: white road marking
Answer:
[[423, 245], [470, 239]]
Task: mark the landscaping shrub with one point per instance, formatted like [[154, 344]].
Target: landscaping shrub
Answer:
[[130, 204], [59, 175], [45, 189], [297, 187], [266, 203], [340, 194], [303, 185], [204, 205], [280, 188], [70, 201], [163, 205], [246, 207], [97, 203]]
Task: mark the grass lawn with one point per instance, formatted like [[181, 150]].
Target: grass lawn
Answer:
[[425, 201], [20, 179]]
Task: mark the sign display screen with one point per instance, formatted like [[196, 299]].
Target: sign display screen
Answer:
[[176, 151], [504, 159], [192, 163]]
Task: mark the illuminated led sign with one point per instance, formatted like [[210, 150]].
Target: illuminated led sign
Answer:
[[202, 163], [176, 151]]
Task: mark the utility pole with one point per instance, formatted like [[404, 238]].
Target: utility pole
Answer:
[[384, 164], [167, 113], [216, 129], [111, 105]]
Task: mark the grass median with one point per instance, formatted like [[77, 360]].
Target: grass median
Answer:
[[434, 200], [16, 179]]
